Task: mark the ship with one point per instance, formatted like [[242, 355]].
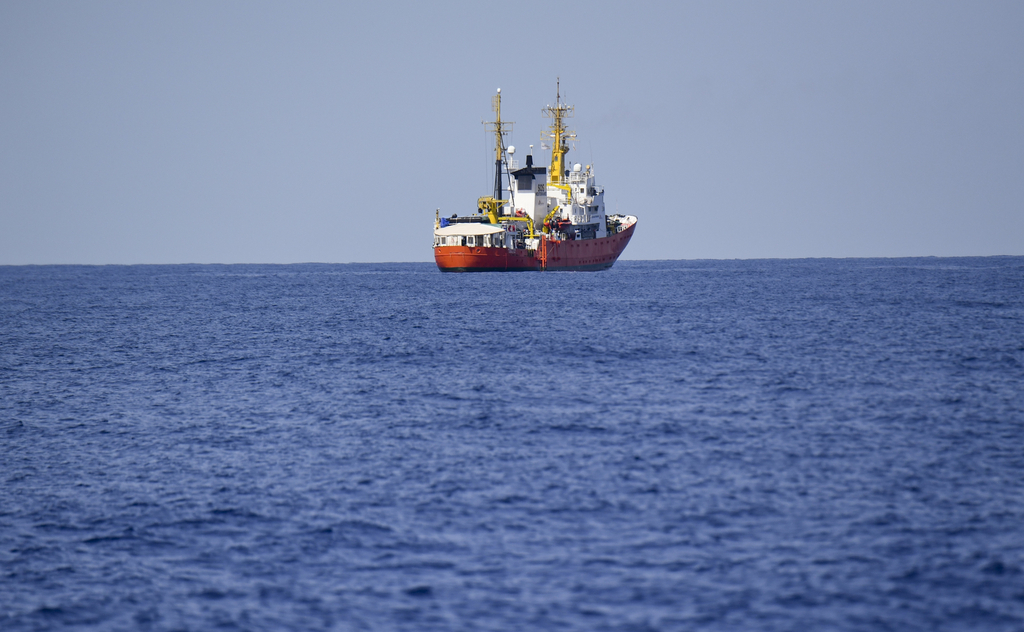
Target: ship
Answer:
[[553, 217]]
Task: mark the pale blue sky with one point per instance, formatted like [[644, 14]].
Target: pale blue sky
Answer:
[[136, 132]]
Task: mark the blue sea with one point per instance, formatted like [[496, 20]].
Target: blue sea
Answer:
[[821, 444]]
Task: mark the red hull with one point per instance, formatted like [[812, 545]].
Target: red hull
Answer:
[[585, 254]]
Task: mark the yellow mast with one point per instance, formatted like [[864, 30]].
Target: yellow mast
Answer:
[[491, 204], [500, 129], [558, 135]]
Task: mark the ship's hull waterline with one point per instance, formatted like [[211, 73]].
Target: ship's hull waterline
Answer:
[[567, 256]]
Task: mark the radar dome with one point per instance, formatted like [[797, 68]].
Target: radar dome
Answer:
[[511, 149]]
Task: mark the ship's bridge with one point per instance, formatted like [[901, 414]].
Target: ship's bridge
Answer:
[[529, 191]]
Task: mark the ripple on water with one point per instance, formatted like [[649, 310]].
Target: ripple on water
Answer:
[[764, 445]]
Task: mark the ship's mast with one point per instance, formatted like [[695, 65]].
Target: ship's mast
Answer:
[[558, 134], [500, 129]]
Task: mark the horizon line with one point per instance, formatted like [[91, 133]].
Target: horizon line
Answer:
[[336, 263]]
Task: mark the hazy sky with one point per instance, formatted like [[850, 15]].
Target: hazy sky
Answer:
[[166, 132]]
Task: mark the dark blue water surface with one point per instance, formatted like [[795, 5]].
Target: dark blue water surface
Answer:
[[712, 445]]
